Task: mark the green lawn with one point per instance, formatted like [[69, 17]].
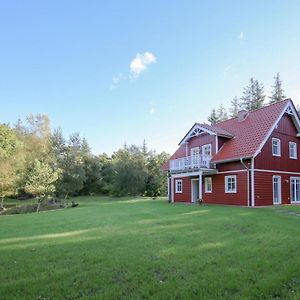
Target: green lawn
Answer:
[[139, 249]]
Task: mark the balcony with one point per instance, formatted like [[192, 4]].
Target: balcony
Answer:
[[190, 163]]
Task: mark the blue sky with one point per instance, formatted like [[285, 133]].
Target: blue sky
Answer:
[[127, 70]]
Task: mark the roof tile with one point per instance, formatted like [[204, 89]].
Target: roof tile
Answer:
[[249, 133]]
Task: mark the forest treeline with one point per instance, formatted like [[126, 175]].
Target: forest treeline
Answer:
[[253, 98], [38, 162]]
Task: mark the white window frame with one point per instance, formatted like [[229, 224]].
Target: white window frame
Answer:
[[295, 156], [178, 182], [226, 184], [207, 183], [279, 189], [278, 145], [295, 190], [195, 152], [206, 146]]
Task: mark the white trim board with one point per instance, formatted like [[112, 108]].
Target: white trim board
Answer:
[[192, 132], [189, 174], [276, 171], [290, 109], [232, 172]]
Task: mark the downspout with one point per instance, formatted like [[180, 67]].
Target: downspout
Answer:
[[252, 182], [248, 181], [217, 144]]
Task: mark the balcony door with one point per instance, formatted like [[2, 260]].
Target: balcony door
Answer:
[[195, 157], [206, 150], [206, 155]]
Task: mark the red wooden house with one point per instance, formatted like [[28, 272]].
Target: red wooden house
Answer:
[[250, 160]]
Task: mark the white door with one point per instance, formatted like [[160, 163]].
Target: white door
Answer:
[[276, 190], [195, 190], [195, 157], [295, 189]]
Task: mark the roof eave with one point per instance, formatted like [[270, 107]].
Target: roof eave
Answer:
[[231, 159]]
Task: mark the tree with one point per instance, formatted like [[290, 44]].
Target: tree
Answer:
[[71, 159], [235, 107], [34, 136], [213, 118], [253, 96], [222, 114], [8, 167], [40, 181], [278, 92], [156, 181], [8, 141], [130, 173], [7, 180]]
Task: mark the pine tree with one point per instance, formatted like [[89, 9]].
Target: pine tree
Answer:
[[144, 148], [235, 107], [222, 113], [253, 96], [213, 117], [278, 92]]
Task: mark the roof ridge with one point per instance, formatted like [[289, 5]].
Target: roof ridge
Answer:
[[252, 111]]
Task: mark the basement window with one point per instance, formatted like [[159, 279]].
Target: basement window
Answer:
[[178, 186], [230, 184]]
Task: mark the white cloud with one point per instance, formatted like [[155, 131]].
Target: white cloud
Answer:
[[152, 110], [241, 35], [140, 63], [116, 80]]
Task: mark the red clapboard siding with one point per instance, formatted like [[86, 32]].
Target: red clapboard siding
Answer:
[[264, 188], [233, 166], [221, 141], [201, 140], [197, 141], [286, 132], [218, 195], [186, 194]]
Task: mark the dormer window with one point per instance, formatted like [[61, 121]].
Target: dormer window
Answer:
[[276, 148], [293, 150]]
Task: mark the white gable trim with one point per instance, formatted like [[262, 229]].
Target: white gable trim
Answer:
[[195, 131], [289, 109]]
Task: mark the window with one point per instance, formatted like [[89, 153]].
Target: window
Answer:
[[276, 151], [295, 189], [293, 150], [208, 184], [195, 156], [230, 184], [178, 184], [206, 149], [276, 189]]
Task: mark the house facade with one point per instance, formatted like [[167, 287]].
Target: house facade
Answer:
[[250, 160]]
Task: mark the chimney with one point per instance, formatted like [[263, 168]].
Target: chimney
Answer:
[[242, 115]]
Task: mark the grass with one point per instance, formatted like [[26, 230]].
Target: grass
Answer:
[[140, 248]]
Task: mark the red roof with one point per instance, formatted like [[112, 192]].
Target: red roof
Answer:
[[250, 133]]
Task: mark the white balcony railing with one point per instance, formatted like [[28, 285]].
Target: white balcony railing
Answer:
[[190, 162]]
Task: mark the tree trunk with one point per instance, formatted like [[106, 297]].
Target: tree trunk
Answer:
[[2, 203], [39, 204], [66, 198]]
